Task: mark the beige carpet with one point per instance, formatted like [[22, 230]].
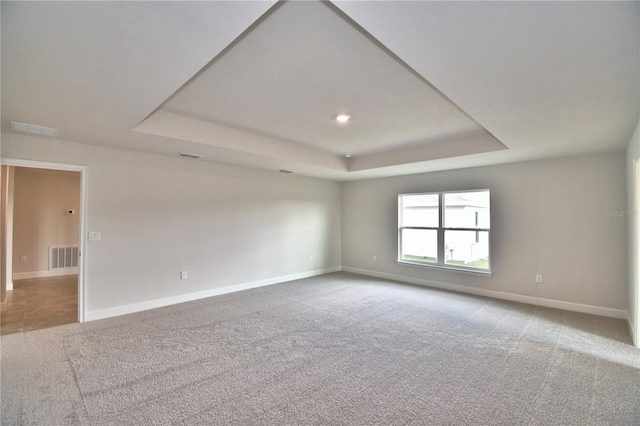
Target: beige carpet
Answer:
[[331, 350]]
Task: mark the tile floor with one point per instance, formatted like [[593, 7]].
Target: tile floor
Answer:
[[40, 303]]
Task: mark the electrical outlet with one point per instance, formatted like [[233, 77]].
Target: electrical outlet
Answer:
[[538, 278], [310, 257], [23, 259], [375, 258], [94, 236], [183, 275]]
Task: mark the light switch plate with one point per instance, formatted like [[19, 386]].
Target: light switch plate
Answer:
[[94, 236]]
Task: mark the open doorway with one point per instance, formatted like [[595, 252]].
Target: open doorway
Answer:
[[43, 215]]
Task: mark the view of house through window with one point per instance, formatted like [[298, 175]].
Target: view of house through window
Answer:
[[447, 229]]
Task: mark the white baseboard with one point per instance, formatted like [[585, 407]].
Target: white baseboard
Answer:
[[43, 274], [158, 303], [632, 330], [531, 300]]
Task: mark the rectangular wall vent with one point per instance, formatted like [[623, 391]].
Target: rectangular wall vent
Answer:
[[33, 128], [63, 257], [189, 155]]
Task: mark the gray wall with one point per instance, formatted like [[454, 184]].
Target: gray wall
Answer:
[[558, 218], [228, 225], [159, 215]]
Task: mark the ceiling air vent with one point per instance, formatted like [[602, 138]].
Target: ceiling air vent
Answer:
[[187, 155], [33, 128], [285, 171]]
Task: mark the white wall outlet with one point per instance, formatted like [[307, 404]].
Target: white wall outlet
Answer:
[[94, 236], [538, 278], [375, 258], [23, 259], [183, 275], [310, 257]]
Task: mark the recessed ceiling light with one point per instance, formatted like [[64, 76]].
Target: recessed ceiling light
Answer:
[[343, 118], [348, 155], [33, 128]]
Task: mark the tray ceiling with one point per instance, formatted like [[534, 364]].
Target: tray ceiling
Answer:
[[428, 85]]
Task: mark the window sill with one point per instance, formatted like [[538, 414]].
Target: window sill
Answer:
[[447, 268]]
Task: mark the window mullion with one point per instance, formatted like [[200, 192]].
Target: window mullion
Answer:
[[441, 229]]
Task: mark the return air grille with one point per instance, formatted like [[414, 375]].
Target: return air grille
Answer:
[[63, 257], [189, 155]]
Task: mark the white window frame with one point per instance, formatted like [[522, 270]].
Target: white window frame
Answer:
[[441, 229]]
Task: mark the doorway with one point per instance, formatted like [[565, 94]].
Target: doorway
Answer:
[[44, 254]]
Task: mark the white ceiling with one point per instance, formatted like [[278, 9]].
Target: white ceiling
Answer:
[[298, 69], [429, 85]]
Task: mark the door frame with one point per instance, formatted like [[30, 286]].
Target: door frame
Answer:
[[636, 252], [82, 246]]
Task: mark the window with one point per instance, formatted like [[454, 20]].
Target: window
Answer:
[[445, 229]]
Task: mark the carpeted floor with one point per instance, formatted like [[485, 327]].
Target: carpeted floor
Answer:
[[336, 349]]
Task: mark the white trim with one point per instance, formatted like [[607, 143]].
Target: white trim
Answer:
[[84, 187], [634, 247], [472, 271], [634, 336], [549, 303], [8, 229], [158, 303], [43, 274]]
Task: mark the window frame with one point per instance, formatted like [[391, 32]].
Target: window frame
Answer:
[[441, 230]]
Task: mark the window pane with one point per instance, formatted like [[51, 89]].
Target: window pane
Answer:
[[467, 248], [420, 245], [467, 210], [420, 210]]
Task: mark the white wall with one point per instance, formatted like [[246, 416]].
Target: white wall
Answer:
[[558, 218], [41, 200], [159, 215], [633, 152]]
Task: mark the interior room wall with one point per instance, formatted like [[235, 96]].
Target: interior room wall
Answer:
[[562, 218], [158, 215], [41, 201], [633, 153]]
